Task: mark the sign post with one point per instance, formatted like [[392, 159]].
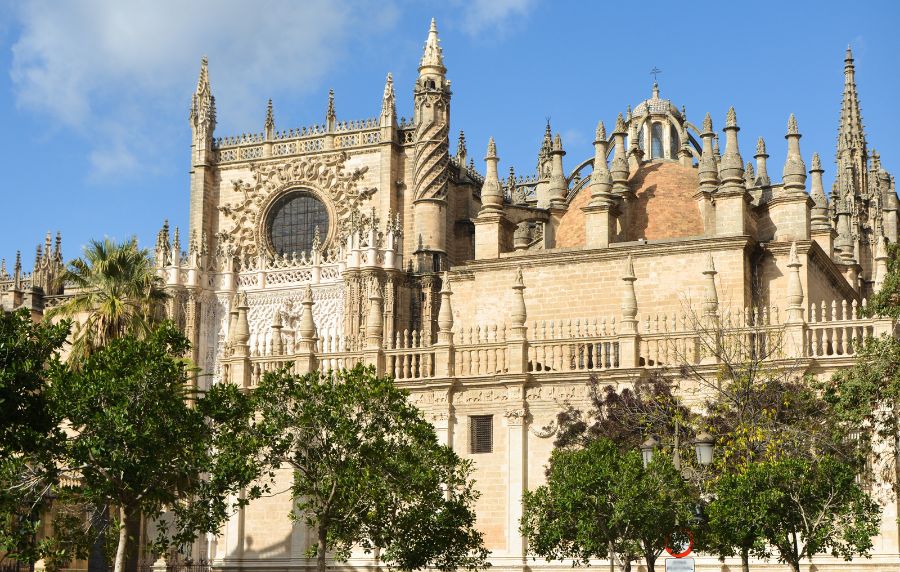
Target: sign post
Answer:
[[679, 565]]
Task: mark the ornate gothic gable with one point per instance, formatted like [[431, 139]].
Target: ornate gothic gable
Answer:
[[323, 174]]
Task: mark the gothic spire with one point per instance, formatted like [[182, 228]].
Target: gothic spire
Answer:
[[330, 116], [388, 101], [461, 151], [270, 121], [850, 131], [794, 172], [762, 173], [433, 56], [491, 192], [203, 104], [708, 168], [819, 218], [601, 179]]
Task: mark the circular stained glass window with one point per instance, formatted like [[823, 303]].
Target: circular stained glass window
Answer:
[[293, 220]]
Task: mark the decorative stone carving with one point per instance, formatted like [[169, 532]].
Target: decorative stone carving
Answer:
[[516, 416], [324, 175], [545, 432]]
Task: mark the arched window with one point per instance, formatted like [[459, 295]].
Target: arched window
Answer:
[[641, 139], [656, 141], [674, 143], [293, 220]]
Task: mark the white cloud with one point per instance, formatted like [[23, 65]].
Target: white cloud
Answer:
[[99, 65], [485, 14]]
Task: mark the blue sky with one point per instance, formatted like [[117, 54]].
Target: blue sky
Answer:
[[94, 95]]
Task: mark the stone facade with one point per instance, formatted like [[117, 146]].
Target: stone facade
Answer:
[[502, 297]]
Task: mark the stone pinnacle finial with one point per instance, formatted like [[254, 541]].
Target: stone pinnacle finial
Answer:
[[491, 191], [794, 287], [792, 126], [269, 125], [433, 56], [620, 125], [389, 86], [707, 123], [710, 264], [794, 172], [557, 143], [461, 151], [600, 134], [819, 213], [203, 104], [761, 146], [518, 313], [491, 149], [330, 115], [731, 118]]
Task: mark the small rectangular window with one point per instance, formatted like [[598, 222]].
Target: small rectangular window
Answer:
[[481, 433]]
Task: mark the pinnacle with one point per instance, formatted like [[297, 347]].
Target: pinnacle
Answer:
[[433, 55], [601, 131], [491, 149], [760, 146], [731, 118], [557, 143], [710, 264], [707, 123], [816, 163], [793, 259], [620, 124], [792, 126]]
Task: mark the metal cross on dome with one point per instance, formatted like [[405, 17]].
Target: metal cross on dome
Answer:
[[655, 72]]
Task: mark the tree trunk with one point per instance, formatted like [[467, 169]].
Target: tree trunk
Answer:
[[745, 559], [99, 523], [320, 549], [123, 540]]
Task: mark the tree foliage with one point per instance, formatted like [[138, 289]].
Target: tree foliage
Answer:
[[136, 438], [116, 292], [600, 501], [369, 470]]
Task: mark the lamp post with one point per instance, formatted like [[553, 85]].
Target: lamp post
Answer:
[[704, 446]]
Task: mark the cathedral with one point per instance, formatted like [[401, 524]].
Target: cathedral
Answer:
[[495, 299]]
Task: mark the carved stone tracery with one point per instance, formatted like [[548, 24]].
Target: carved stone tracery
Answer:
[[323, 175]]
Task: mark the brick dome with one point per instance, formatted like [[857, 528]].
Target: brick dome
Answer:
[[664, 207]]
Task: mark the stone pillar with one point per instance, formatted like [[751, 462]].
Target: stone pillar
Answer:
[[629, 341], [708, 177], [493, 232], [240, 364], [732, 214], [820, 229], [306, 347], [600, 214], [791, 212], [444, 357], [517, 459], [795, 325], [374, 354], [881, 260], [517, 341], [710, 345], [619, 173]]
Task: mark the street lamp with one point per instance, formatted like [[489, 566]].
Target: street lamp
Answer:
[[647, 449], [704, 444]]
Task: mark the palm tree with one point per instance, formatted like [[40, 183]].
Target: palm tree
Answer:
[[117, 292]]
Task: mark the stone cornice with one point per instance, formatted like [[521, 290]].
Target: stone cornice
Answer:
[[616, 251]]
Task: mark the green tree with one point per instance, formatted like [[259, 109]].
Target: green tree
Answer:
[[136, 443], [369, 470], [599, 502], [814, 506], [27, 351], [116, 292], [29, 431]]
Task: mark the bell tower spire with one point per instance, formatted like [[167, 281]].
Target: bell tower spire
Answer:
[[431, 155]]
